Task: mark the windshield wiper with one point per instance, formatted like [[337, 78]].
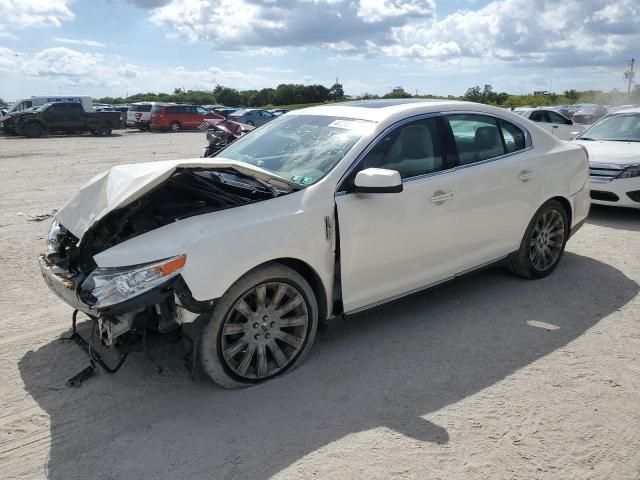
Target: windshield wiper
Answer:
[[584, 138]]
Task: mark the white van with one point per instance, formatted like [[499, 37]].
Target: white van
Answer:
[[27, 103]]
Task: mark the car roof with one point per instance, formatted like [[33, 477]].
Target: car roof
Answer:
[[377, 110], [626, 110]]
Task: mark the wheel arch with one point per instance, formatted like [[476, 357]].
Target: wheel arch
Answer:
[[311, 276], [567, 207]]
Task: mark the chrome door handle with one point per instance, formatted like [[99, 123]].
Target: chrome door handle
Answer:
[[440, 197], [555, 126], [526, 175]]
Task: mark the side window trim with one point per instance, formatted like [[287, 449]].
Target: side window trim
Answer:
[[528, 143]]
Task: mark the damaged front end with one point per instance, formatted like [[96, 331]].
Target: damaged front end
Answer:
[[127, 303]]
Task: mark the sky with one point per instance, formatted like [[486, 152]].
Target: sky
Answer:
[[119, 47]]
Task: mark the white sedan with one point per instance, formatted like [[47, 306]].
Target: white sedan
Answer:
[[614, 164], [553, 122], [321, 213]]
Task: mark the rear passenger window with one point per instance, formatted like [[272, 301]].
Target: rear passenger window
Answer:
[[513, 136], [412, 150], [480, 137], [477, 137], [556, 118], [539, 116]]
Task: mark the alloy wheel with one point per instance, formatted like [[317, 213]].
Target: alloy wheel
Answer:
[[264, 330], [547, 240]]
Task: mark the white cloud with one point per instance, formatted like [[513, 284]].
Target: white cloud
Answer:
[[245, 24], [72, 68], [76, 41], [378, 10], [34, 13]]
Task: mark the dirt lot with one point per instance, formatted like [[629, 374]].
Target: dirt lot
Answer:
[[487, 377]]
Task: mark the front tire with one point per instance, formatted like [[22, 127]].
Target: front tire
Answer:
[[33, 130], [261, 328], [175, 127], [543, 243]]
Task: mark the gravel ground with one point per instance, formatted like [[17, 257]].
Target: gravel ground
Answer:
[[487, 377]]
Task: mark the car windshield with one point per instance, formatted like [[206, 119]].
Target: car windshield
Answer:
[[43, 107], [299, 148], [621, 128]]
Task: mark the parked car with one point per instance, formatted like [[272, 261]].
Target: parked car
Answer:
[[252, 116], [38, 101], [225, 111], [179, 117], [614, 158], [589, 115], [139, 115], [556, 124], [123, 109], [9, 121], [324, 212], [68, 117]]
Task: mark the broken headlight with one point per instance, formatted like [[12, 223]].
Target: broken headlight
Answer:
[[109, 286], [53, 237]]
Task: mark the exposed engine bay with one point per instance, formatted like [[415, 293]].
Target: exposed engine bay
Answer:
[[165, 303], [186, 193]]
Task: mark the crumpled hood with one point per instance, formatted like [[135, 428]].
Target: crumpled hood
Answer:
[[123, 184], [614, 153]]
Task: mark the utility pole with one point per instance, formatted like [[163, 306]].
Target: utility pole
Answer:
[[629, 76]]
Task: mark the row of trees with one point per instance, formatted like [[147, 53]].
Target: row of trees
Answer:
[[284, 94], [296, 94], [487, 95]]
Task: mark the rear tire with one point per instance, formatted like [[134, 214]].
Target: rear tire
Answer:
[[543, 244], [247, 340], [175, 127], [33, 130], [103, 130]]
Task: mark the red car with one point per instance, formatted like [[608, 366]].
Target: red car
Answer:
[[179, 117]]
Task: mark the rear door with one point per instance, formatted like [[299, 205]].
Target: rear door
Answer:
[[542, 119], [561, 126], [75, 115], [496, 190]]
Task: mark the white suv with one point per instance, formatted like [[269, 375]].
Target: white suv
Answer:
[[320, 213], [139, 115]]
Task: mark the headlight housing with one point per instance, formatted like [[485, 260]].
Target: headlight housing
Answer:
[[53, 237], [109, 286], [630, 172]]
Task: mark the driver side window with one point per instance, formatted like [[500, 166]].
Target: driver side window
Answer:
[[413, 149]]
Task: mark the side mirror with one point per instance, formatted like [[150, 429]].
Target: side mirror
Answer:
[[570, 122], [378, 180]]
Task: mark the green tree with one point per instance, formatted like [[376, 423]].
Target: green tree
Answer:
[[336, 92], [473, 94]]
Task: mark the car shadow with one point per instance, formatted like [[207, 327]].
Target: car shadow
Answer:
[[386, 368], [615, 217]]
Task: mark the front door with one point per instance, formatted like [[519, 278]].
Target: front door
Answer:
[[392, 243]]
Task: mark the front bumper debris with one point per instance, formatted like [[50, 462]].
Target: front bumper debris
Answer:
[[64, 284], [94, 356]]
